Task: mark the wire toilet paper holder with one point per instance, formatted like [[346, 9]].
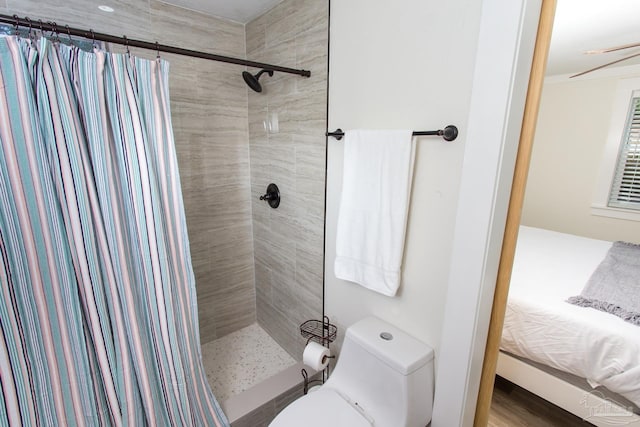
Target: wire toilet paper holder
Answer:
[[324, 333], [320, 331]]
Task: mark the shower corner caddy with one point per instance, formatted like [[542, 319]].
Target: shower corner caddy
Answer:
[[320, 331]]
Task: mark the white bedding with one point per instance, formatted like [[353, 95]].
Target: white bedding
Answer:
[[539, 325]]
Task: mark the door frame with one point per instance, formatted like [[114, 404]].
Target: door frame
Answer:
[[506, 44], [514, 213]]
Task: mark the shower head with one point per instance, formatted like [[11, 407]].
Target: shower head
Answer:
[[252, 80]]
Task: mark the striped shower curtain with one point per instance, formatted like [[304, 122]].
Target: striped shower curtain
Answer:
[[98, 316]]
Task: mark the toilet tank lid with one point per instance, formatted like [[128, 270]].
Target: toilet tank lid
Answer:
[[402, 352]]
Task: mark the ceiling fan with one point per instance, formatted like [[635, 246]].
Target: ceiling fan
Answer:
[[607, 50]]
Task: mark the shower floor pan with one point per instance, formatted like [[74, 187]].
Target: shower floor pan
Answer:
[[242, 359], [252, 377]]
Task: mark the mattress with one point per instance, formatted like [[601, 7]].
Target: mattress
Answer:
[[539, 325]]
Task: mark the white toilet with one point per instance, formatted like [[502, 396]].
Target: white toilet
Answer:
[[384, 378]]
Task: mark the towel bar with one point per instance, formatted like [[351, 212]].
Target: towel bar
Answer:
[[449, 133]]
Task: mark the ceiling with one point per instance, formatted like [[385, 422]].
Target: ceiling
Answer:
[[241, 11], [580, 25]]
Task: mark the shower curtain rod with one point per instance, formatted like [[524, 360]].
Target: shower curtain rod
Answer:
[[91, 35]]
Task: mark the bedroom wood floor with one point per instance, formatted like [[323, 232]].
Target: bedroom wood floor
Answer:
[[513, 406]]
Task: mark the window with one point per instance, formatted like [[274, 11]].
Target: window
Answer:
[[625, 189], [618, 187]]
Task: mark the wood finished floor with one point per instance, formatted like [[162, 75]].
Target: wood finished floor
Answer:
[[513, 406]]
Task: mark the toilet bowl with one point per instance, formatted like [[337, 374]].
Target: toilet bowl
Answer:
[[383, 378]]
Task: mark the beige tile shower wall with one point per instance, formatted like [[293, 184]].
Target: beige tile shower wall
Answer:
[[288, 241], [209, 112]]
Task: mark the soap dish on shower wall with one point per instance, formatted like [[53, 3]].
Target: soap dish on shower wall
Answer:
[[319, 331]]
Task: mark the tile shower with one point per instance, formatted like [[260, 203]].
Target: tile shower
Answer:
[[288, 241], [255, 267]]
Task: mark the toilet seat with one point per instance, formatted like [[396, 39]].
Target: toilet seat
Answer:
[[321, 408]]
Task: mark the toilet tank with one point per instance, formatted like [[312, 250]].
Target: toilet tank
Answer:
[[386, 374]]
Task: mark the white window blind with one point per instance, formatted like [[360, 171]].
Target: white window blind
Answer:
[[625, 188]]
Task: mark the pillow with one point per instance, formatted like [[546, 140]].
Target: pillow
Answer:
[[614, 287]]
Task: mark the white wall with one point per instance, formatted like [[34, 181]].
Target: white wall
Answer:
[[404, 64], [424, 64], [572, 130]]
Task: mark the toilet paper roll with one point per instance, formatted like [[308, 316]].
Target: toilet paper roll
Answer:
[[316, 356]]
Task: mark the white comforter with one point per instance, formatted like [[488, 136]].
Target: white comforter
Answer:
[[550, 267]]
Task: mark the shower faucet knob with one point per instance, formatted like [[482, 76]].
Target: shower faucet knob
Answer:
[[272, 196]]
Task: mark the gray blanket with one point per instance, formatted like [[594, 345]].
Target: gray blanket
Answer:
[[614, 287]]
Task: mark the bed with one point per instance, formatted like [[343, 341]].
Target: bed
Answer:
[[583, 360]]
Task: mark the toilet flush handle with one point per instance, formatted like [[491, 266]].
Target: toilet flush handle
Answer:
[[387, 336]]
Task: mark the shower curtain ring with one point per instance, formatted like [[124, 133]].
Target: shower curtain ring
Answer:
[[30, 25], [126, 43], [69, 34], [93, 38], [56, 32], [157, 50], [15, 24]]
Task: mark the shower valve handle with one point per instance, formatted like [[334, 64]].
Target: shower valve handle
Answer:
[[272, 196]]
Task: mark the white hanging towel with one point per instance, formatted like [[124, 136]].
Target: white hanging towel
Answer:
[[376, 185]]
